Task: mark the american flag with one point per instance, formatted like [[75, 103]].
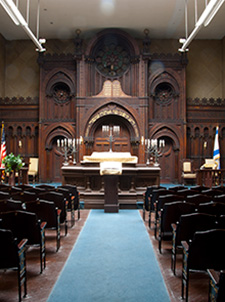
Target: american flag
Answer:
[[3, 146]]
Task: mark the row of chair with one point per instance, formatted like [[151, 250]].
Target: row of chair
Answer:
[[154, 197], [181, 214], [25, 213]]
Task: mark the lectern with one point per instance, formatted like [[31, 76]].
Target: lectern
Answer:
[[110, 168], [111, 194]]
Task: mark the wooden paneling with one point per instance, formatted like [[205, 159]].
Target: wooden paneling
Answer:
[[149, 103]]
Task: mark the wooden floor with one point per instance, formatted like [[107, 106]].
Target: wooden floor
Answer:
[[40, 285]]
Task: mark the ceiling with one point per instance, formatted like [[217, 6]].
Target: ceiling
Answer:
[[163, 18]]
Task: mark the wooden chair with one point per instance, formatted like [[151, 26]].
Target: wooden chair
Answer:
[[184, 229], [60, 203], [177, 188], [188, 175], [186, 192], [213, 208], [220, 188], [221, 222], [4, 195], [206, 250], [147, 205], [34, 190], [69, 201], [13, 256], [26, 225], [199, 188], [153, 199], [212, 192], [146, 201], [156, 194], [10, 205], [170, 213], [75, 197], [12, 190], [24, 186], [162, 199], [46, 187], [25, 196], [219, 198], [47, 211], [33, 168], [216, 285], [198, 198]]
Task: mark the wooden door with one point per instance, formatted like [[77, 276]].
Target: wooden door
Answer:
[[120, 143], [168, 163], [55, 163]]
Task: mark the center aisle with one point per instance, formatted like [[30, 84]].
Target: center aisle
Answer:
[[112, 260]]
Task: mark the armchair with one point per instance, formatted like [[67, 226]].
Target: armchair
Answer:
[[188, 175], [33, 168]]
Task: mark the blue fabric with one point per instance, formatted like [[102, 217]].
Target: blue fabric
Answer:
[[113, 260]]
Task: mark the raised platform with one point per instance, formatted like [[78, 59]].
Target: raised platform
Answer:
[[131, 184], [96, 200]]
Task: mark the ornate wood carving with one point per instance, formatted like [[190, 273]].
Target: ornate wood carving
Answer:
[[147, 99]]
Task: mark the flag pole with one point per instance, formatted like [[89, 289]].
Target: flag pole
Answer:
[[216, 149]]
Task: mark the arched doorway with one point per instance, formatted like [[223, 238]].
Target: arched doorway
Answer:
[[54, 154], [121, 135], [168, 162], [127, 139], [170, 156], [54, 161]]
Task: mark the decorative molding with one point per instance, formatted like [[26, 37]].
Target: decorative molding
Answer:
[[205, 121], [205, 102], [164, 56], [19, 101], [55, 57], [112, 110], [58, 120]]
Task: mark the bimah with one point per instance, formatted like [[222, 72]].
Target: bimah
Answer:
[[110, 168]]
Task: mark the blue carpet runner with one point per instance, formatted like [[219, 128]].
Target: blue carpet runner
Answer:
[[112, 261]]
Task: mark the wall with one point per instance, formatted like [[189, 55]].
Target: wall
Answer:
[[21, 69], [205, 70], [2, 65], [223, 66]]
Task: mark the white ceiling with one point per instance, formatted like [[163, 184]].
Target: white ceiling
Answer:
[[59, 19]]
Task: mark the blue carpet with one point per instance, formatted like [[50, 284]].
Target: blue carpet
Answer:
[[112, 261]]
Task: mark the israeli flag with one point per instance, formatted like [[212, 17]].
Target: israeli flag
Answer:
[[216, 150]]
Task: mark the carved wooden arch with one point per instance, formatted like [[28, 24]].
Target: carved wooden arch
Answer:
[[130, 42], [57, 131], [59, 76], [109, 110], [164, 77], [163, 130]]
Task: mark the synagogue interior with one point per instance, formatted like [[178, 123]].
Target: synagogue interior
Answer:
[[112, 107]]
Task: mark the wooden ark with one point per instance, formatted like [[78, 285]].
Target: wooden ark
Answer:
[[113, 79]]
